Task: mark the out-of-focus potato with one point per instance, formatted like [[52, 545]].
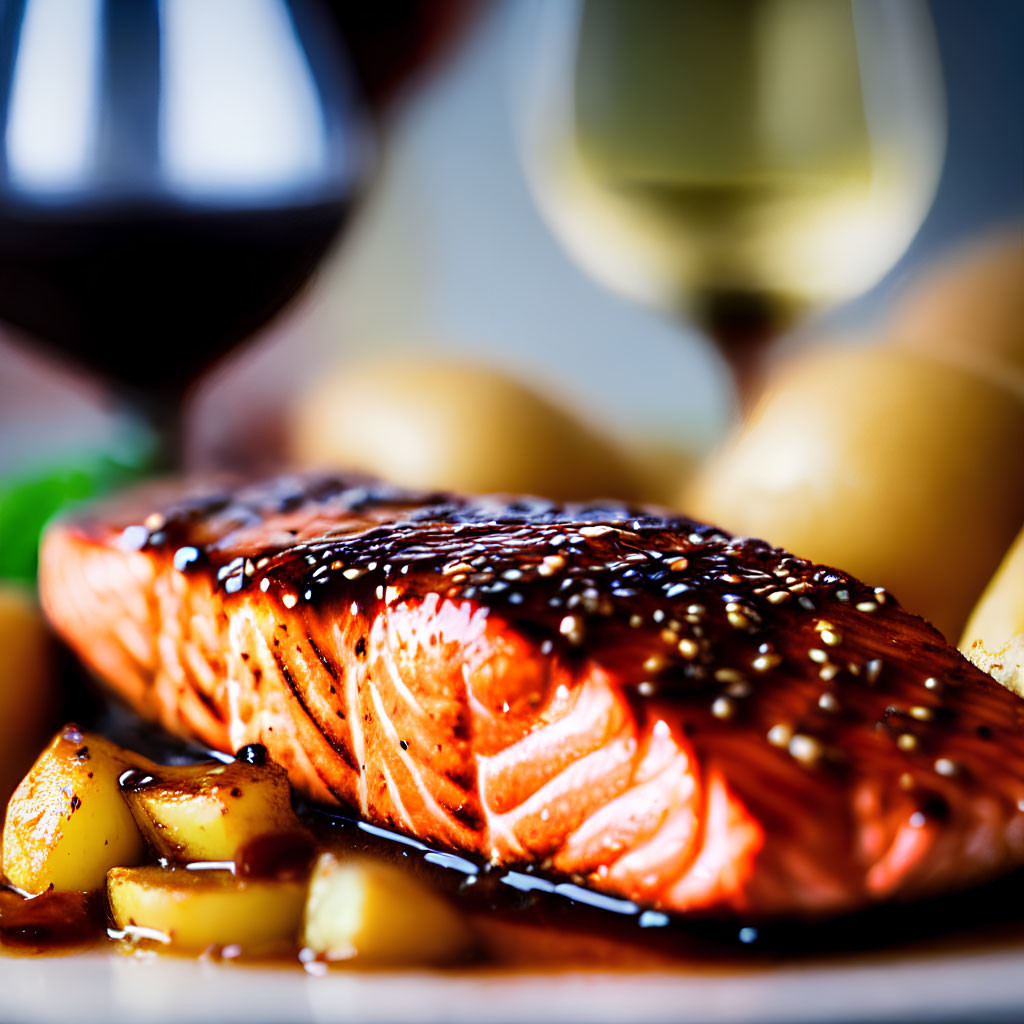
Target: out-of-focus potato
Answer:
[[373, 913], [969, 309], [193, 910], [27, 691], [67, 823], [430, 424], [994, 637], [900, 469], [209, 812]]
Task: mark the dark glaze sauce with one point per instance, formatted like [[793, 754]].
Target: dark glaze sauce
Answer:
[[51, 920]]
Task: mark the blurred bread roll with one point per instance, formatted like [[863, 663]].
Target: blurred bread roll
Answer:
[[27, 689], [994, 637], [459, 426], [969, 309], [896, 467]]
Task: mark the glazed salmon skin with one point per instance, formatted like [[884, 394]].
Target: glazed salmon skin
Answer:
[[699, 723]]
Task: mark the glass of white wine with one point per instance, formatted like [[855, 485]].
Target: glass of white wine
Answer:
[[738, 162]]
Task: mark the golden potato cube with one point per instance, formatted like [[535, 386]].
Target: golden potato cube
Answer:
[[193, 910], [375, 913], [67, 823], [209, 812]]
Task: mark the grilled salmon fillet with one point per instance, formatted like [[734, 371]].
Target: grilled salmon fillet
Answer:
[[693, 721]]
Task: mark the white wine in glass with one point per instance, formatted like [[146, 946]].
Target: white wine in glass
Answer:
[[735, 161]]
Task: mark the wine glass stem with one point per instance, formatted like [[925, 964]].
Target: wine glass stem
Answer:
[[743, 325], [164, 414]]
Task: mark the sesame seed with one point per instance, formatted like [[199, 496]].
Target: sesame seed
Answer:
[[678, 564], [595, 531], [828, 672], [456, 567], [154, 521], [512, 575], [353, 574], [944, 766], [778, 596], [867, 606], [779, 735], [728, 675], [695, 609], [658, 615], [766, 662], [250, 568], [689, 648], [818, 655], [828, 702], [636, 621], [906, 741], [738, 620], [843, 595], [872, 670], [805, 749], [655, 663], [931, 683], [571, 627], [723, 707], [379, 591], [831, 637], [880, 595], [918, 820], [906, 781], [646, 688], [741, 688], [922, 714], [265, 584], [289, 600]]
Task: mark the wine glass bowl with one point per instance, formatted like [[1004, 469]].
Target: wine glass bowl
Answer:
[[741, 161], [171, 172]]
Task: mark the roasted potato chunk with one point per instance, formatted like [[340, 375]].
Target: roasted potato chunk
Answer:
[[193, 910], [67, 823], [374, 913], [209, 812]]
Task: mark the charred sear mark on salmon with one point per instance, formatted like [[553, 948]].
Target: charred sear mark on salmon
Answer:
[[339, 747], [329, 666], [672, 715]]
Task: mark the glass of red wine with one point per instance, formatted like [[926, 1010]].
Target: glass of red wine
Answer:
[[171, 173]]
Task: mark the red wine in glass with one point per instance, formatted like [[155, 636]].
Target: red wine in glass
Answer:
[[171, 174]]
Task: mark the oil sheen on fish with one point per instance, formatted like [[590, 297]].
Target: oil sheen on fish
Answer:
[[700, 723]]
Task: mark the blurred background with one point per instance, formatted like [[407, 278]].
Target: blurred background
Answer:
[[572, 249]]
